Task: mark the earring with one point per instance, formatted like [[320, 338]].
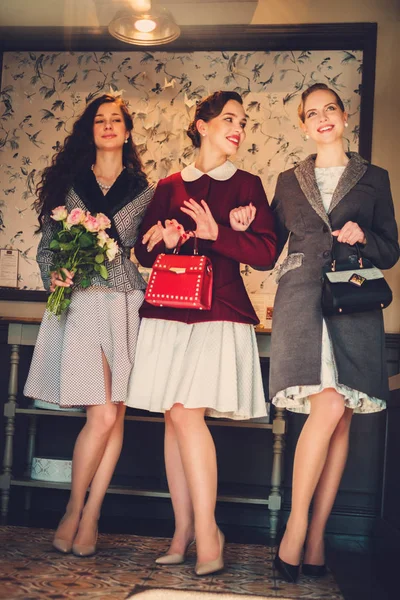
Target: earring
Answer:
[[126, 141], [346, 124], [203, 135], [307, 136]]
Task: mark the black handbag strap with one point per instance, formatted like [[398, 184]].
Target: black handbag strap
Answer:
[[357, 248], [180, 242]]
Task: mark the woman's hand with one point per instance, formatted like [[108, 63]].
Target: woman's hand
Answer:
[[57, 280], [207, 227], [172, 232], [152, 237], [241, 218], [351, 233]]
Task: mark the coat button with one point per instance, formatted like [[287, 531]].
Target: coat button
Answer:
[[326, 254], [325, 229]]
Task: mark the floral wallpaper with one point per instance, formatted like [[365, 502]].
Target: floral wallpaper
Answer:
[[43, 92]]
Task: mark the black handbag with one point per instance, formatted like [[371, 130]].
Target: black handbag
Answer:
[[353, 286]]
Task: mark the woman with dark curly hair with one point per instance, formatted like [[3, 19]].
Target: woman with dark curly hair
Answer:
[[84, 358], [193, 363]]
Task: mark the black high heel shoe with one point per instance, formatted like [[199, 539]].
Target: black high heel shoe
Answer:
[[289, 573], [314, 570]]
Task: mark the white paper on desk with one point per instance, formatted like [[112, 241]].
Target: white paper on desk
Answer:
[[9, 267]]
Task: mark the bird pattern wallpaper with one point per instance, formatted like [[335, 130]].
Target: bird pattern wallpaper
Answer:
[[42, 93]]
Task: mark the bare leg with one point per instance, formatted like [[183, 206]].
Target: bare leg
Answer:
[[199, 462], [326, 490], [327, 409], [178, 487], [89, 450], [87, 531]]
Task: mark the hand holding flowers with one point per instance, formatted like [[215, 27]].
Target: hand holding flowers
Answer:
[[80, 249]]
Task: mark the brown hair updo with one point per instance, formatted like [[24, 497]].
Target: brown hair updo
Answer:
[[310, 90], [208, 109]]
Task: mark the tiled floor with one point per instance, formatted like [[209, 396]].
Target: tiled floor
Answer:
[[30, 569]]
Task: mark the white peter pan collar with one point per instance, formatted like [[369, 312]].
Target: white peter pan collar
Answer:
[[221, 173]]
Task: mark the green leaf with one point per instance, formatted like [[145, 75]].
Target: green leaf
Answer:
[[85, 282], [76, 230], [66, 247], [103, 272], [99, 258], [86, 240], [54, 245], [64, 235], [65, 304]]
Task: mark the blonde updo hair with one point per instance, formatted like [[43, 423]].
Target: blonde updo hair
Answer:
[[309, 91], [208, 109]]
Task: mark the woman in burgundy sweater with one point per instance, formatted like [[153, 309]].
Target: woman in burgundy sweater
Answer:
[[193, 363]]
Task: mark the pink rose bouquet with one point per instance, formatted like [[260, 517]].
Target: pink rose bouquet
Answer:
[[81, 246]]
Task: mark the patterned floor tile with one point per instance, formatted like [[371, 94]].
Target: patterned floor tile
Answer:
[[30, 569]]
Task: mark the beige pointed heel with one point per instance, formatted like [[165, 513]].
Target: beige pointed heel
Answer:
[[213, 566], [173, 559], [83, 550], [62, 546]]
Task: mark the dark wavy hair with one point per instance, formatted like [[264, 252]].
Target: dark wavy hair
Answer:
[[208, 109], [315, 88], [79, 152]]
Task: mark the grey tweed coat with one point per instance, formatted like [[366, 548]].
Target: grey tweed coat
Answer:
[[358, 340]]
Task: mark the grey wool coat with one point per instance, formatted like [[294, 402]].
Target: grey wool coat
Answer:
[[358, 340]]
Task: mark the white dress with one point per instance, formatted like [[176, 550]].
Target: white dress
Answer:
[[213, 365], [296, 398]]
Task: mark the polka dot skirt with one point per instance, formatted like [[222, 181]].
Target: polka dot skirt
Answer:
[[67, 366]]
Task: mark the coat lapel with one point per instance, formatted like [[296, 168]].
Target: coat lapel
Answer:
[[306, 177], [353, 172]]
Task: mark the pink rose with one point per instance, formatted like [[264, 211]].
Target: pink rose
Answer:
[[102, 238], [103, 221], [76, 217], [59, 213], [90, 223], [112, 249]]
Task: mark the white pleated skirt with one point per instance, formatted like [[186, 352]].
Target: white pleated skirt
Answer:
[[67, 367], [213, 365]]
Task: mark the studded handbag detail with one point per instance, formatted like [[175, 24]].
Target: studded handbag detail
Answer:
[[181, 281]]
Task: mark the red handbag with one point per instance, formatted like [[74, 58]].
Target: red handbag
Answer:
[[181, 281]]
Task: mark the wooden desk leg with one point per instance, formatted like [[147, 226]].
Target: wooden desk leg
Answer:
[[9, 413], [275, 497], [29, 457]]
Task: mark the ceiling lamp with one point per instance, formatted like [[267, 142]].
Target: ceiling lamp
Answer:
[[150, 27]]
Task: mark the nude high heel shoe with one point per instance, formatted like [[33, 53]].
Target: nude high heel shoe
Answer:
[[213, 566], [60, 544], [83, 550], [173, 559], [63, 546]]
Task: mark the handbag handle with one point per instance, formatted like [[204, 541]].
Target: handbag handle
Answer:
[[180, 242], [359, 257]]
